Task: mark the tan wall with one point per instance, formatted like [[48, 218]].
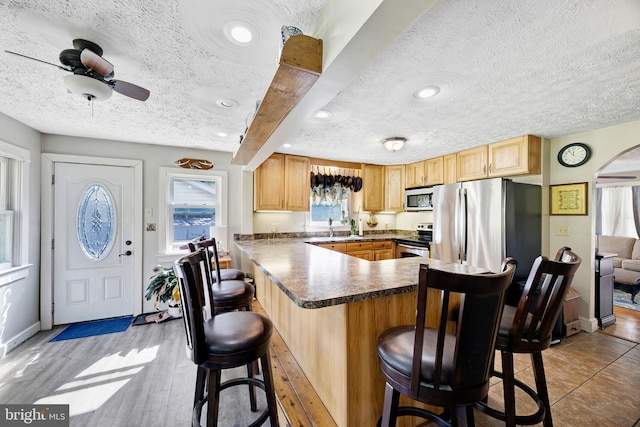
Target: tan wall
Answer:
[[605, 145]]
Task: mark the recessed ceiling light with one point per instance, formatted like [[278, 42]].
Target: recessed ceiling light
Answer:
[[286, 145], [222, 134], [226, 103], [426, 92], [240, 32], [322, 114]]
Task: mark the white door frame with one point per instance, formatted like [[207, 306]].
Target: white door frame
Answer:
[[46, 230]]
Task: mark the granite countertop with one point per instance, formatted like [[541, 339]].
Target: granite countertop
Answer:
[[315, 277]]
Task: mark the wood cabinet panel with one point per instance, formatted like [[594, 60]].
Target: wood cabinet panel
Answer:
[[339, 247], [414, 174], [269, 184], [282, 183], [297, 183], [515, 156], [434, 171], [372, 188], [449, 166], [394, 188], [359, 246], [471, 164]]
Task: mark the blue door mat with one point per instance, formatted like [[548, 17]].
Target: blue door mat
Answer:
[[89, 329]]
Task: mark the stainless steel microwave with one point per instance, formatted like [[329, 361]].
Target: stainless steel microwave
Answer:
[[418, 199]]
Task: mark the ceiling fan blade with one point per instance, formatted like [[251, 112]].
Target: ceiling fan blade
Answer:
[[96, 62], [39, 60], [617, 177], [130, 90]]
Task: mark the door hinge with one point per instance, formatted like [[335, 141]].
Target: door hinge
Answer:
[[52, 244], [53, 307], [53, 179]]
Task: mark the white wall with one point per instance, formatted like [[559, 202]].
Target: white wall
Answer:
[[605, 145], [154, 157], [19, 301]]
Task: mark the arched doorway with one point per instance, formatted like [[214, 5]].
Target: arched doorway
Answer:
[[614, 180]]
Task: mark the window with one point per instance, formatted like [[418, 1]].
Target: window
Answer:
[[334, 204], [195, 206], [14, 194]]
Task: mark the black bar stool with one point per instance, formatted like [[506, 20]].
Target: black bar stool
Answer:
[[225, 273], [528, 328], [217, 341], [449, 364]]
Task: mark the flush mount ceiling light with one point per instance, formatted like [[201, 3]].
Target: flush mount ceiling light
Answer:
[[427, 92], [226, 103], [394, 144], [286, 145], [87, 87]]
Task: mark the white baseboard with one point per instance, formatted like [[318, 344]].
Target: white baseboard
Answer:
[[12, 343], [589, 325]]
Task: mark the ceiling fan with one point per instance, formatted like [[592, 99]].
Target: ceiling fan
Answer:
[[92, 76], [617, 177]]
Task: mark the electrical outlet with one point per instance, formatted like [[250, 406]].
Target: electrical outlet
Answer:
[[562, 230]]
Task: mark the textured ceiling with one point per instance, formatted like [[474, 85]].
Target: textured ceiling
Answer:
[[548, 68]]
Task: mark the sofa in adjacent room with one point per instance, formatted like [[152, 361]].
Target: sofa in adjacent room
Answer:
[[626, 265]]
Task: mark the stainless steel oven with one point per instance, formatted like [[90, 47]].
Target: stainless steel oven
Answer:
[[404, 250], [418, 245]]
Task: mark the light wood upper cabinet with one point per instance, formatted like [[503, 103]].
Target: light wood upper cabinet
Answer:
[[415, 174], [515, 156], [394, 188], [449, 166], [297, 187], [282, 183], [268, 182], [372, 188], [434, 171], [471, 164]]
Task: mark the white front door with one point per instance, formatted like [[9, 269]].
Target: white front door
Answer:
[[94, 248]]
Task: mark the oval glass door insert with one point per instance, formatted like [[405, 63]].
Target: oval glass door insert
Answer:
[[96, 222]]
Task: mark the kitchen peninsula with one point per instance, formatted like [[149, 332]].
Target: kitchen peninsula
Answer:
[[330, 308]]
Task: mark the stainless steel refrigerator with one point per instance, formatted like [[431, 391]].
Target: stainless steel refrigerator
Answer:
[[481, 222]]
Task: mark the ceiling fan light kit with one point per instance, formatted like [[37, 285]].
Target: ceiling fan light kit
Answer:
[[87, 87], [92, 76]]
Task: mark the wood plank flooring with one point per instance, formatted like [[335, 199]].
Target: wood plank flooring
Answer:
[[142, 377]]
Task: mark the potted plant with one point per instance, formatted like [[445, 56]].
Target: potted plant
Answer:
[[163, 287]]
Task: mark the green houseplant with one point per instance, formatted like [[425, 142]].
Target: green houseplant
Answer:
[[163, 287]]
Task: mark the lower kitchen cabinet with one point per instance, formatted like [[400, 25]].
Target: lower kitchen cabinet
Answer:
[[371, 251], [383, 250]]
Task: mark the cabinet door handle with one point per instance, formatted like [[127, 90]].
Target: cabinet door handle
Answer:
[[489, 167], [484, 168]]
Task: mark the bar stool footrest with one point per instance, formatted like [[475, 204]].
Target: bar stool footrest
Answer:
[[197, 408], [531, 419]]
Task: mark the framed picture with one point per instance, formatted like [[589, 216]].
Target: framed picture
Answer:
[[568, 199]]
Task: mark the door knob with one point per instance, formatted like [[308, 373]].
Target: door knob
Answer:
[[127, 253]]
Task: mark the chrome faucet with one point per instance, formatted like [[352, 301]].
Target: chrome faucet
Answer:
[[331, 232]]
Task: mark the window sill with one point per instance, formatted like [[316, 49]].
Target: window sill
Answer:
[[14, 274]]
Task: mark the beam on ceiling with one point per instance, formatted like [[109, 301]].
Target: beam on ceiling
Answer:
[[353, 33]]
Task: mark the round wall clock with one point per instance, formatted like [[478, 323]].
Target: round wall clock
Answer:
[[572, 155]]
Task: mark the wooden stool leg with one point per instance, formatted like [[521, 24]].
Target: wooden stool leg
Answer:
[[390, 409], [252, 388], [462, 416], [201, 382], [509, 391], [541, 386], [213, 398], [269, 389]]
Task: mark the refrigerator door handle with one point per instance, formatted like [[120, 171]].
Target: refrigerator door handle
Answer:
[[464, 226]]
